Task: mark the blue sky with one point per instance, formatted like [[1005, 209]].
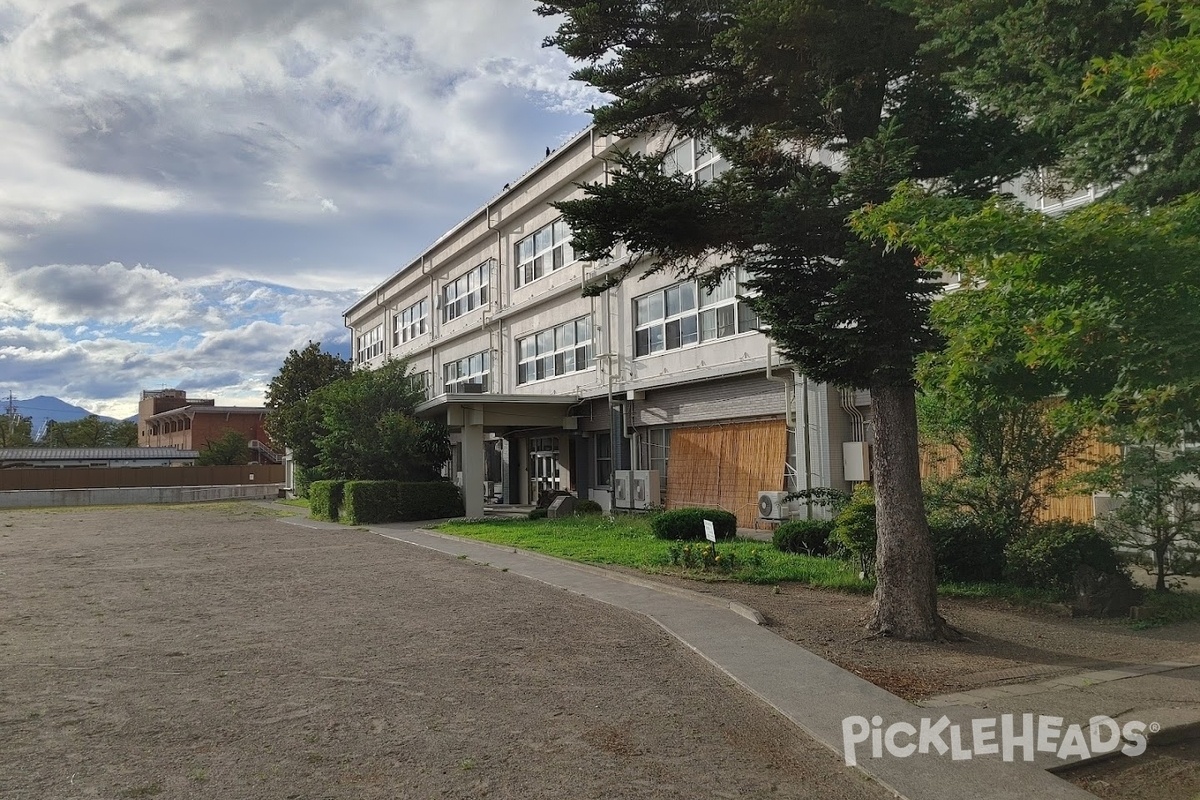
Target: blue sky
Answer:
[[194, 187]]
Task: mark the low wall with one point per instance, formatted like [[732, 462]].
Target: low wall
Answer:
[[139, 495], [129, 477]]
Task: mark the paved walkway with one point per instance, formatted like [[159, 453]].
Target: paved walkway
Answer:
[[813, 693]]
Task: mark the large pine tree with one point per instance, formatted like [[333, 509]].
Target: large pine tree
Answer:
[[821, 108]]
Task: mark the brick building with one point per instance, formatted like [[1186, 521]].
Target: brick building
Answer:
[[169, 418]]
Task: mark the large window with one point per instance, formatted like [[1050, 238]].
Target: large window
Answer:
[[555, 351], [543, 251], [695, 158], [411, 322], [684, 314], [466, 293], [655, 452], [370, 344], [603, 458], [472, 370]]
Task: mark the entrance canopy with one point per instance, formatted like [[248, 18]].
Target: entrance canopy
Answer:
[[472, 414]]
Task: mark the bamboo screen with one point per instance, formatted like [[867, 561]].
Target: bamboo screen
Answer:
[[941, 461], [726, 466]]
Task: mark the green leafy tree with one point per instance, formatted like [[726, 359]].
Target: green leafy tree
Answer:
[[16, 431], [91, 431], [368, 430], [292, 421], [232, 449], [1158, 516], [820, 108], [1041, 61]]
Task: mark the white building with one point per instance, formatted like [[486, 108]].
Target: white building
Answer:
[[654, 392]]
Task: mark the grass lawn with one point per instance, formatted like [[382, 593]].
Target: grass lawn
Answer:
[[628, 542]]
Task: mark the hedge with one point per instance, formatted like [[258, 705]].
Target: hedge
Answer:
[[429, 500], [325, 499], [367, 502], [1050, 553], [964, 549], [688, 523], [808, 536]]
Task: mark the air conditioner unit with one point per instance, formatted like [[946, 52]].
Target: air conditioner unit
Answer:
[[622, 489], [773, 506], [646, 488]]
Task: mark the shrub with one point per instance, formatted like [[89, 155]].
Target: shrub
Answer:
[[1049, 554], [966, 549], [325, 499], [429, 500], [586, 507], [688, 523], [810, 536], [854, 526], [537, 513], [371, 501]]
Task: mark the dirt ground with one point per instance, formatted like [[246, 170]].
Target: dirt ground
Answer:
[[1004, 644], [1166, 773], [212, 652]]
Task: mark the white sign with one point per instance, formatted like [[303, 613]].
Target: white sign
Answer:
[[710, 532]]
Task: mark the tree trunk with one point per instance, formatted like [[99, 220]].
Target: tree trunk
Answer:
[[906, 587]]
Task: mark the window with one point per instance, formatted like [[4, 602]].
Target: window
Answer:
[[695, 158], [470, 370], [420, 382], [543, 252], [603, 458], [370, 344], [555, 351], [411, 322], [669, 318], [466, 293], [655, 451]]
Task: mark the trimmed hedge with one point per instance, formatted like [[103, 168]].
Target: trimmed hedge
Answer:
[[585, 507], [1050, 553], [966, 550], [537, 513], [688, 523], [808, 536], [429, 500], [366, 502], [325, 499]]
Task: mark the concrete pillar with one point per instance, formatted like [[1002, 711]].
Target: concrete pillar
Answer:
[[564, 462], [472, 468]]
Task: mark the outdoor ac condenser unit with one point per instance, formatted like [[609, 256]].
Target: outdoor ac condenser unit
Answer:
[[773, 506], [622, 490], [646, 488]]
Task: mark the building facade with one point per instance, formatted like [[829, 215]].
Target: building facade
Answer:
[[169, 418], [654, 392]]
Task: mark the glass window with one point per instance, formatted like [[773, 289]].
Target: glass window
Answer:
[[697, 159], [602, 447], [467, 292], [472, 370], [545, 250], [370, 344], [411, 322], [555, 351], [669, 319]]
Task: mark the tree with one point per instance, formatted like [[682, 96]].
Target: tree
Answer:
[[1159, 508], [91, 431], [291, 420], [1164, 69], [233, 448], [368, 431], [1040, 61], [16, 431], [820, 108]]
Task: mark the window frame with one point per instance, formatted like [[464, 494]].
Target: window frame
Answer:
[[704, 163], [369, 344], [535, 362], [466, 293], [467, 375], [411, 322], [724, 306], [557, 250]]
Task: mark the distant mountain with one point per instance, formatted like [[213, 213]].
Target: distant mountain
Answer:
[[44, 408]]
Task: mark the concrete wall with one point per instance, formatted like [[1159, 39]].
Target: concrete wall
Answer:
[[132, 477], [69, 498]]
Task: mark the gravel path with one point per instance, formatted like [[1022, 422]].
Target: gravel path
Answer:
[[211, 652]]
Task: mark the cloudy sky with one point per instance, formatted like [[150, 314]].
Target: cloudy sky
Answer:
[[191, 188]]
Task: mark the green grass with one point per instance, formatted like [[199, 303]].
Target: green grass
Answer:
[[627, 542], [298, 502]]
